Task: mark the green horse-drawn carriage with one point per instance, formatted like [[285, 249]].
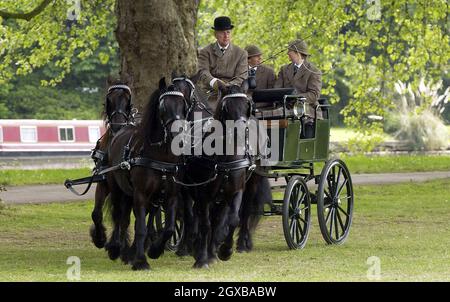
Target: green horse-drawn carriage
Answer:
[[298, 154]]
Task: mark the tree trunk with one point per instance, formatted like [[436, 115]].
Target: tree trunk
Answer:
[[156, 38]]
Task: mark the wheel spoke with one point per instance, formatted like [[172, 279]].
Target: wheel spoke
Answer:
[[340, 221], [336, 230], [345, 213], [298, 231], [300, 199], [340, 189], [328, 216], [331, 222], [294, 226], [303, 220], [326, 193]]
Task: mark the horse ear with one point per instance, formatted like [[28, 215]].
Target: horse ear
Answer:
[[245, 86], [174, 74], [162, 84]]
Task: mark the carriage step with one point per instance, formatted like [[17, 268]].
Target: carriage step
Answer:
[[274, 210]]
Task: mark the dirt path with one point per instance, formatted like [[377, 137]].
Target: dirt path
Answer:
[[58, 193]]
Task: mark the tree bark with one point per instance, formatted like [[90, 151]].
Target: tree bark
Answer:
[[156, 38]]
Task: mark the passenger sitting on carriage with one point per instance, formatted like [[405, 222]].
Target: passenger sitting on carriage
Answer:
[[263, 75], [306, 79]]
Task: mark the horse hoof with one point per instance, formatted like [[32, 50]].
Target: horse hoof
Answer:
[[155, 253], [213, 260], [182, 252], [140, 266], [201, 265], [98, 236], [113, 251], [225, 253]]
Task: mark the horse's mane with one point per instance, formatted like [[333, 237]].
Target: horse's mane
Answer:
[[150, 123]]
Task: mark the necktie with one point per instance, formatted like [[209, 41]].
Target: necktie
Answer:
[[252, 72], [222, 50], [295, 69]]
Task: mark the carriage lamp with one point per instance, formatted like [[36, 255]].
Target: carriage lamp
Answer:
[[299, 108]]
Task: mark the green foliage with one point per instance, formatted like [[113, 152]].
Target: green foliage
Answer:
[[366, 48], [54, 36]]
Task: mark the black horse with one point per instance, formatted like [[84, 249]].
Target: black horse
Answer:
[[117, 114], [148, 167], [218, 201]]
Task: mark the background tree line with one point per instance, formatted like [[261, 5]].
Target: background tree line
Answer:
[[54, 66]]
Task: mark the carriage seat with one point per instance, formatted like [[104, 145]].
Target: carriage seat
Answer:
[[269, 102]]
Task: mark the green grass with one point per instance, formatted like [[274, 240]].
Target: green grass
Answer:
[[406, 226], [396, 163], [356, 164], [44, 176]]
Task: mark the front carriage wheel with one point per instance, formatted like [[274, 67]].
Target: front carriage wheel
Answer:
[[335, 202], [296, 213], [174, 241]]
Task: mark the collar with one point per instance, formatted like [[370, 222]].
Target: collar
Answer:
[[220, 47]]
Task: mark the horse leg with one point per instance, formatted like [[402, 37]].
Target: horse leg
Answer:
[[113, 245], [187, 215], [157, 247], [201, 208], [140, 262], [98, 230], [152, 233], [226, 249], [219, 230], [257, 193], [124, 235]]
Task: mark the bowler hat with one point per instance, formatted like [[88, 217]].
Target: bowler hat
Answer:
[[299, 46], [222, 23], [253, 50]]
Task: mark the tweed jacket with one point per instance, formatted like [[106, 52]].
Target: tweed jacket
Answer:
[[230, 67], [307, 84], [265, 77]]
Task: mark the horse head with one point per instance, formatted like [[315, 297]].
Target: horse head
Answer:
[[118, 104]]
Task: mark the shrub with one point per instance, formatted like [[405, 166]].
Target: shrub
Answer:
[[416, 119]]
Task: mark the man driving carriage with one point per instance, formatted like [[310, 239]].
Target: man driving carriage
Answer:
[[305, 78], [221, 61]]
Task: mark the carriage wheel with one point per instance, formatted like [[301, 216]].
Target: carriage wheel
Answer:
[[296, 213], [335, 202], [173, 242]]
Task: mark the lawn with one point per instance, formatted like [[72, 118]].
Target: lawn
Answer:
[[406, 226], [356, 164]]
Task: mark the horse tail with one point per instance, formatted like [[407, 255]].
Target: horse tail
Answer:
[[262, 196]]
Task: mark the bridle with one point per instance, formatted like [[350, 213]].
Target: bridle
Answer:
[[128, 114]]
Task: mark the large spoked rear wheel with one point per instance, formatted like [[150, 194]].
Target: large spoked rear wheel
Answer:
[[296, 213], [335, 202], [174, 241]]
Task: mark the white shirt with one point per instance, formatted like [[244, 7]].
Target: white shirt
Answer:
[[215, 79]]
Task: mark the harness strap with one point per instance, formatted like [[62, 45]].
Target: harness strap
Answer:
[[233, 165], [164, 167]]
